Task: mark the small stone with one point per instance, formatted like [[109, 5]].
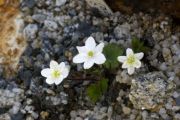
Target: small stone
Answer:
[[110, 112], [103, 109], [126, 110], [29, 117], [123, 77], [15, 109], [176, 94], [39, 18], [87, 112], [162, 111], [30, 31], [44, 115], [5, 116], [73, 114], [18, 116], [99, 37], [29, 3], [29, 101], [155, 115], [177, 101], [78, 118], [34, 115], [60, 2], [50, 25], [163, 24], [144, 115], [81, 113], [168, 106], [177, 116], [176, 108], [54, 99], [165, 116], [167, 55], [100, 7], [72, 13], [61, 117], [132, 117], [122, 30]]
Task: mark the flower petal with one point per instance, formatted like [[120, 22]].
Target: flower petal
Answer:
[[139, 55], [88, 64], [65, 72], [129, 51], [46, 72], [99, 48], [122, 58], [58, 81], [90, 43], [82, 49], [130, 70], [61, 65], [80, 58], [99, 58], [49, 81], [137, 64], [53, 64], [125, 65]]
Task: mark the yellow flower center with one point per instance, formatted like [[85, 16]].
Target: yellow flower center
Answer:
[[90, 53], [131, 59], [56, 73]]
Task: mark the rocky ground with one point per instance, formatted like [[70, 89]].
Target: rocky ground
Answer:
[[54, 28]]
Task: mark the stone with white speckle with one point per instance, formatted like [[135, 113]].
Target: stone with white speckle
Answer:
[[50, 25], [60, 2]]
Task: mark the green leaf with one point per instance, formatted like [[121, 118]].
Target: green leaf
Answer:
[[138, 46], [103, 84], [95, 91], [112, 51]]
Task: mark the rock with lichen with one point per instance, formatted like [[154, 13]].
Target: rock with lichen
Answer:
[[149, 91]]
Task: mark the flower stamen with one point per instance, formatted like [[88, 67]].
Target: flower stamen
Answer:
[[90, 53], [56, 74], [131, 59]]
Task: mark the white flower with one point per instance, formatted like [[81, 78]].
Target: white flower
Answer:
[[56, 73], [131, 60], [90, 54]]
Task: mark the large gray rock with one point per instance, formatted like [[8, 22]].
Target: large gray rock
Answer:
[[150, 91]]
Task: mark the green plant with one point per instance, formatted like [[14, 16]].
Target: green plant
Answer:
[[138, 45], [95, 91], [112, 51]]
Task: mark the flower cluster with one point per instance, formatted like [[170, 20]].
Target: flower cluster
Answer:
[[89, 55]]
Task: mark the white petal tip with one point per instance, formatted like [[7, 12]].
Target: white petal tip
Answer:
[[121, 59], [129, 51]]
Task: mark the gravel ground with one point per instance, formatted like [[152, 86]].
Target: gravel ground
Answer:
[[54, 28]]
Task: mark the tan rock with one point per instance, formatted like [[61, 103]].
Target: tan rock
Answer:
[[12, 42], [44, 115]]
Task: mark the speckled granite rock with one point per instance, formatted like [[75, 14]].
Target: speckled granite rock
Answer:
[[149, 91]]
